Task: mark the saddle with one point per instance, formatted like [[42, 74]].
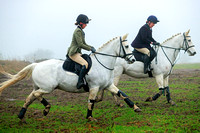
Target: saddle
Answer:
[[140, 57], [71, 66]]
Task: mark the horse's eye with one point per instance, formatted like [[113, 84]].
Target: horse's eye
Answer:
[[126, 46]]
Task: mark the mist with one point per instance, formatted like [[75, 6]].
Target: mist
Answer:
[[29, 25]]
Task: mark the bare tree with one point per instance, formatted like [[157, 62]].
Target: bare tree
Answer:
[[38, 55]]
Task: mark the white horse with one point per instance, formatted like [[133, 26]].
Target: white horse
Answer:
[[49, 75], [162, 65]]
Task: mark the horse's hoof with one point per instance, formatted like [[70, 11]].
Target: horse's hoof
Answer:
[[173, 103], [121, 105], [90, 118], [138, 110], [149, 99], [45, 113], [23, 121]]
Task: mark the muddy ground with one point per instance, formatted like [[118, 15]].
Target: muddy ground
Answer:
[[23, 88]]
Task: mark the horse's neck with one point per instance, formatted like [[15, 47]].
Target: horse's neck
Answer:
[[120, 67], [171, 53], [110, 48]]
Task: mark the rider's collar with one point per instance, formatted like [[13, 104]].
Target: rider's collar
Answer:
[[148, 26], [79, 27]]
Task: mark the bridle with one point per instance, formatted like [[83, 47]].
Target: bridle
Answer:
[[185, 42], [121, 49]]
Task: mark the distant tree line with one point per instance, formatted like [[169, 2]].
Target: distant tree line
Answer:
[[36, 56]]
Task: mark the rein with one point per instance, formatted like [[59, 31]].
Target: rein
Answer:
[[186, 49], [121, 48]]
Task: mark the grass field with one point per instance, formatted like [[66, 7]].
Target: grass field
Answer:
[[68, 111], [187, 66]]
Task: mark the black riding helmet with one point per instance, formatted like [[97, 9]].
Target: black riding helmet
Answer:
[[82, 18], [153, 19]]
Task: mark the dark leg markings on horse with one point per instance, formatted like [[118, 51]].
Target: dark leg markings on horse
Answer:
[[156, 96], [168, 94], [128, 101], [47, 106], [22, 113], [169, 100], [28, 101], [90, 108]]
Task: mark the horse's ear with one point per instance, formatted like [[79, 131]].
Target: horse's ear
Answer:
[[124, 37], [186, 33]]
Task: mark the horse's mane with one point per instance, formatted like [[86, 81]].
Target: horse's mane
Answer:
[[170, 38], [107, 43]]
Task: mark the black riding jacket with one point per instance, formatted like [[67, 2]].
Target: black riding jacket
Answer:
[[143, 38]]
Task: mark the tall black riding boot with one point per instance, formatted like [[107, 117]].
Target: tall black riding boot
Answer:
[[81, 76], [146, 63]]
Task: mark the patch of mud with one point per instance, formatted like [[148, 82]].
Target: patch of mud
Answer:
[[23, 88]]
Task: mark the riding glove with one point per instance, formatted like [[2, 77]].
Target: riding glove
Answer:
[[93, 50], [156, 43]]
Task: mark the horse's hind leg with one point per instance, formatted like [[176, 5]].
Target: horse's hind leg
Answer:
[[117, 102], [99, 97], [28, 101], [34, 94], [113, 89], [47, 105]]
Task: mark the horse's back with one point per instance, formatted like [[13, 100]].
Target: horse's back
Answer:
[[45, 73], [49, 75]]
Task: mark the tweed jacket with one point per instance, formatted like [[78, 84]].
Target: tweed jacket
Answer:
[[78, 42]]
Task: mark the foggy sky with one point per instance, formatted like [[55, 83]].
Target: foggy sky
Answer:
[[29, 25]]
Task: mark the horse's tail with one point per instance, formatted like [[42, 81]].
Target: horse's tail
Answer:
[[25, 72]]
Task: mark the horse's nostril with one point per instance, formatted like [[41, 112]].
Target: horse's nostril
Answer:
[[133, 60], [194, 53]]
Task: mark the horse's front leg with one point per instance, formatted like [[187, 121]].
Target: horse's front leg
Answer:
[[113, 89], [169, 100], [159, 80], [91, 100]]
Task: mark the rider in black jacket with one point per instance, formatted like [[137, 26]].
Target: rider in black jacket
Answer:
[[143, 40]]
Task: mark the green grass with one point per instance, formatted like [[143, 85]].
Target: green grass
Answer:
[[187, 66], [156, 117]]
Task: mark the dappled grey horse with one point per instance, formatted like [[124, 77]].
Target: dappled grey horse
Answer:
[[49, 75], [162, 65]]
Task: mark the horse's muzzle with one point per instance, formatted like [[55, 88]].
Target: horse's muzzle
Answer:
[[133, 60], [192, 54]]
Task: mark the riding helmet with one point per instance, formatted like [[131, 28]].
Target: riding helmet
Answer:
[[82, 18], [153, 19]]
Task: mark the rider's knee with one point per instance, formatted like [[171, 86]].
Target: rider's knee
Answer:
[[86, 65]]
